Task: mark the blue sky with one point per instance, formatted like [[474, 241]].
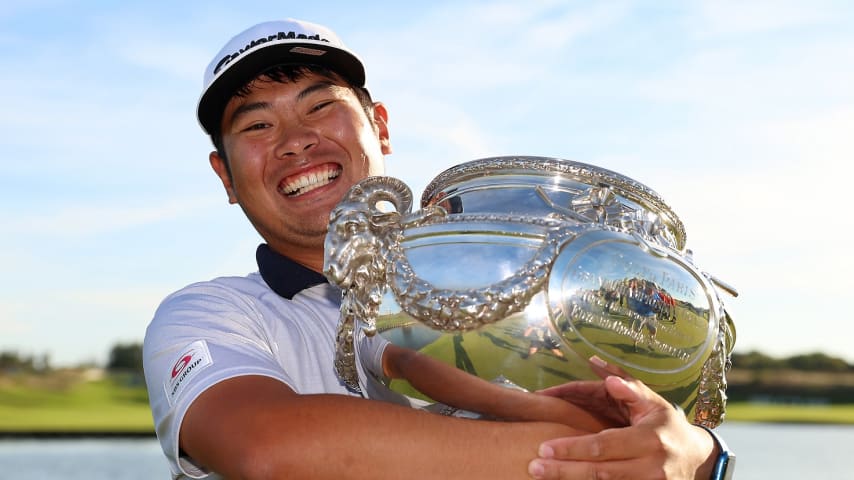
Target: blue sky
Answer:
[[739, 113]]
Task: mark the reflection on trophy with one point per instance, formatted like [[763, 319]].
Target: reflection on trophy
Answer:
[[519, 269]]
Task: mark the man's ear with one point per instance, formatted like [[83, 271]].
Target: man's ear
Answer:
[[381, 121], [221, 169]]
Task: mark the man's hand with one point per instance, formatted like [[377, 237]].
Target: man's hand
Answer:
[[658, 442]]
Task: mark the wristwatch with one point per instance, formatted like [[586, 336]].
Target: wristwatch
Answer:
[[725, 464]]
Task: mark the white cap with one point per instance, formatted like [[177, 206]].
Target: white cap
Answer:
[[267, 44]]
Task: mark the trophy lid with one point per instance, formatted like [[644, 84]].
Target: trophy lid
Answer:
[[551, 174]]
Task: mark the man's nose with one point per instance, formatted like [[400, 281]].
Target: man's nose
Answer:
[[297, 140]]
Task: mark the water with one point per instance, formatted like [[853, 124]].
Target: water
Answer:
[[789, 452], [78, 459], [765, 451]]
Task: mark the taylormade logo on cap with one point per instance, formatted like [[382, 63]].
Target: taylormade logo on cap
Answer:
[[263, 46], [269, 38]]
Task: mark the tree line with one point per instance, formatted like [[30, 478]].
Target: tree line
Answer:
[[123, 358], [810, 362], [127, 357]]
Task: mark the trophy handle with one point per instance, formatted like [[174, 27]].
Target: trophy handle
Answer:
[[711, 393], [355, 251]]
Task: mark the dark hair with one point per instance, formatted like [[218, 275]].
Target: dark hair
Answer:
[[289, 74]]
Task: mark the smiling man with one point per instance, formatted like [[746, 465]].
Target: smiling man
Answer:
[[240, 369], [293, 151]]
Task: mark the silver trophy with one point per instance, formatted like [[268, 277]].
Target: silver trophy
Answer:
[[519, 269]]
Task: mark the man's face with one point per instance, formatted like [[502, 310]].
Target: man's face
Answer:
[[294, 150]]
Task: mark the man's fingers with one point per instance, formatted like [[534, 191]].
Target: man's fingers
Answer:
[[607, 445], [584, 388], [627, 392], [593, 397], [614, 454], [638, 399], [541, 469], [580, 389]]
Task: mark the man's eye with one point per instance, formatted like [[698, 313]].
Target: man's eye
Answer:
[[256, 126], [320, 106]]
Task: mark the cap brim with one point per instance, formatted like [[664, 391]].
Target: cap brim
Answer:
[[244, 69]]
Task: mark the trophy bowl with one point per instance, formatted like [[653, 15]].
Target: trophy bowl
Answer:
[[519, 269]]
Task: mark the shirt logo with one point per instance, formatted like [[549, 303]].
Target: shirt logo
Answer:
[[194, 358], [181, 365]]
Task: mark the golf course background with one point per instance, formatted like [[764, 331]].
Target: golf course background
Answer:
[[90, 400]]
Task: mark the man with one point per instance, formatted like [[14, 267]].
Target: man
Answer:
[[240, 370]]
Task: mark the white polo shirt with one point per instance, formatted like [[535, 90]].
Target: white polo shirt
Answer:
[[279, 322]]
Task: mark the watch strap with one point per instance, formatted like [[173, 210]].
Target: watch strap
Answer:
[[725, 464]]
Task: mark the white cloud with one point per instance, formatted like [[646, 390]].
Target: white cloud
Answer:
[[96, 219], [156, 46], [133, 299], [727, 17], [507, 44], [183, 61], [10, 8], [823, 141], [10, 321], [780, 202]]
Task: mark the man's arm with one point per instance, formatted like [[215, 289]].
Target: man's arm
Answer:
[[460, 389], [257, 427]]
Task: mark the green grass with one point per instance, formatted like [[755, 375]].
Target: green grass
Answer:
[[106, 405], [112, 404], [761, 412]]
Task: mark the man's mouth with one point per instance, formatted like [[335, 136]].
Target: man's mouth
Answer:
[[297, 185]]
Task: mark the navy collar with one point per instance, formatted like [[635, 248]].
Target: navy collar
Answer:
[[283, 275]]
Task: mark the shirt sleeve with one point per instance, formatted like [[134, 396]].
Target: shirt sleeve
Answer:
[[369, 366], [200, 336]]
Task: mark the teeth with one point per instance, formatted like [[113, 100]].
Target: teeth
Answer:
[[309, 181]]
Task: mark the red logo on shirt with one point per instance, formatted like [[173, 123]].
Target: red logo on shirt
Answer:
[[181, 364], [194, 358]]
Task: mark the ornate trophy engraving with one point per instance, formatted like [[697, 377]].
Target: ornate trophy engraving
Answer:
[[521, 268]]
